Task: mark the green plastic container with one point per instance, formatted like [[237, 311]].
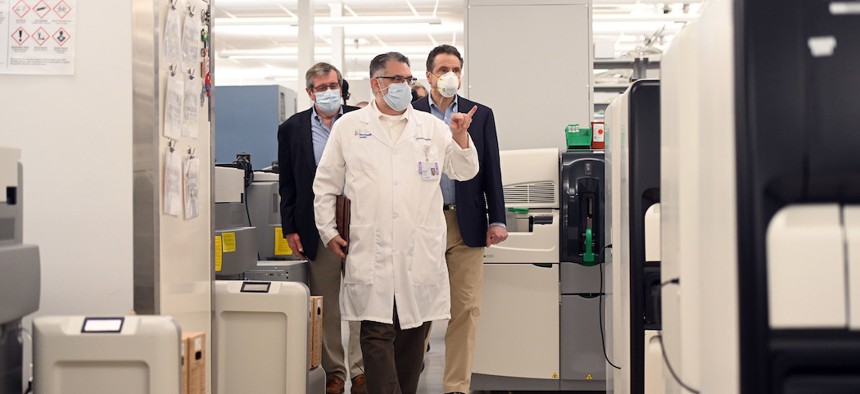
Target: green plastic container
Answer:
[[578, 137]]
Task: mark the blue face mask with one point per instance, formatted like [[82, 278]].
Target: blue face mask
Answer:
[[328, 101], [398, 97]]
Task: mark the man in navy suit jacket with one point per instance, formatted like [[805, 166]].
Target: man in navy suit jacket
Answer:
[[474, 211], [301, 140]]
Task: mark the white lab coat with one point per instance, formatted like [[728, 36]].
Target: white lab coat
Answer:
[[398, 232]]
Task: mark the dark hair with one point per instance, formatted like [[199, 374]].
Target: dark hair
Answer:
[[378, 62], [320, 69], [444, 48], [344, 91]]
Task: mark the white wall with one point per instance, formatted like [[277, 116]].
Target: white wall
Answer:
[[75, 133], [75, 136], [534, 105]]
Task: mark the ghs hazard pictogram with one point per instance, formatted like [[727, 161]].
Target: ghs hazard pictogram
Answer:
[[21, 8], [41, 36], [62, 9], [19, 36], [62, 36], [42, 8]]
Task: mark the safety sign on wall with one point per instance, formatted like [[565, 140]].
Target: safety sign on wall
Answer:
[[37, 37]]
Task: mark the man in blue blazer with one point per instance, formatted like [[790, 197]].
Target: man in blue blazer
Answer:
[[474, 211], [301, 140]]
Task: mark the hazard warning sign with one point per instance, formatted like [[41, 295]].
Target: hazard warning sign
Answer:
[[62, 9], [38, 37], [21, 9], [41, 36], [42, 8], [20, 36], [62, 36]]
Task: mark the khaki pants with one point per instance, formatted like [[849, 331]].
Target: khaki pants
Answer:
[[466, 273], [324, 277]]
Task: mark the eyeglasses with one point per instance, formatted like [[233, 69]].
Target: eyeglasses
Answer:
[[323, 88], [410, 80]]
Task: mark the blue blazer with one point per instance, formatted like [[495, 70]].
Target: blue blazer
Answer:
[[296, 179], [480, 201]]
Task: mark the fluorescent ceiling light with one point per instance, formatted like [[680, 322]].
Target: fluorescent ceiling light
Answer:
[[644, 18], [291, 52], [398, 30], [328, 20], [604, 28]]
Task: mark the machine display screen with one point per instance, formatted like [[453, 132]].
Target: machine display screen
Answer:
[[256, 287], [102, 325]]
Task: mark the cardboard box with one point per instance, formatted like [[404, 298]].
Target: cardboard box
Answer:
[[315, 313], [195, 350]]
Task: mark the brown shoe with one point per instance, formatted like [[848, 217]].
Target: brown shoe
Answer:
[[334, 385], [359, 386]]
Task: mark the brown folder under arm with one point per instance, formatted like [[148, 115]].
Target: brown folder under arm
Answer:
[[342, 215]]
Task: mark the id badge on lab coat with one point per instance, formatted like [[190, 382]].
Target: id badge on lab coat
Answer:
[[429, 171]]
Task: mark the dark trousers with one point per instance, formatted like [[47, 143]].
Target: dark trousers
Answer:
[[392, 356]]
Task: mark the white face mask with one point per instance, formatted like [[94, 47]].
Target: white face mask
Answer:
[[447, 84], [328, 101], [398, 97]]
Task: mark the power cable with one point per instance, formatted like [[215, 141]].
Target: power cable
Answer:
[[243, 162], [673, 281], [671, 370], [600, 307]]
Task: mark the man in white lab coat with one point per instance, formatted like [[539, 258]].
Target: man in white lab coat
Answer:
[[388, 159]]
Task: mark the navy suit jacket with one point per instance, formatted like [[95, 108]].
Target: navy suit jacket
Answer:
[[296, 179], [480, 201]]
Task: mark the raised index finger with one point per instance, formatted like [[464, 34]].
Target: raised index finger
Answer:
[[473, 110]]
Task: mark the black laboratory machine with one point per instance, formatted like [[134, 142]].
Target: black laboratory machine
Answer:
[[582, 206], [581, 240]]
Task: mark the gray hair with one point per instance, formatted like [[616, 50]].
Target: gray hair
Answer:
[[378, 63], [321, 69]]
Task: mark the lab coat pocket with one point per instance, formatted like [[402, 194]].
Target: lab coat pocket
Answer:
[[361, 260], [428, 256]]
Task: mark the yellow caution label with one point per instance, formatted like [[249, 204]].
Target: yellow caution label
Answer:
[[282, 247], [555, 375], [588, 377], [229, 240], [218, 257]]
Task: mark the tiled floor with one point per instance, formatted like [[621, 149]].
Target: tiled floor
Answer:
[[434, 363]]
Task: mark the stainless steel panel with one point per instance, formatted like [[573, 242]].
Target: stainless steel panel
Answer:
[[581, 352], [145, 155], [577, 278]]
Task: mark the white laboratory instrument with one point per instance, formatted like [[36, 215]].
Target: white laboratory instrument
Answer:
[[539, 316], [262, 337], [763, 208], [521, 281], [633, 264], [106, 355]]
